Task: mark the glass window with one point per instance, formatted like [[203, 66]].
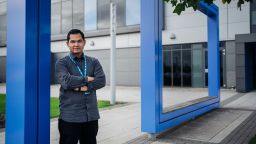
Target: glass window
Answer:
[[120, 13], [3, 23], [186, 65], [132, 12], [103, 9], [66, 16], [167, 67], [78, 14], [103, 16], [254, 17], [55, 18], [90, 15], [176, 59], [197, 65]]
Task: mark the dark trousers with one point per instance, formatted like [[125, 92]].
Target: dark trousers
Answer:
[[85, 132]]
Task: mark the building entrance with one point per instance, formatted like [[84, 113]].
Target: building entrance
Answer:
[[251, 49]]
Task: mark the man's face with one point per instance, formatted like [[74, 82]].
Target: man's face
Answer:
[[76, 44]]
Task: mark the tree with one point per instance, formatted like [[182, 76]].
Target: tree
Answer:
[[182, 5]]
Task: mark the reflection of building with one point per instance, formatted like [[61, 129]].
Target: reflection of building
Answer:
[[184, 40]]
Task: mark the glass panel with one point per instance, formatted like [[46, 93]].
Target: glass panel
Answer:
[[253, 17], [103, 11], [132, 12], [206, 67], [182, 64], [120, 16], [167, 67], [176, 58], [90, 14], [221, 68], [186, 67], [66, 16], [3, 8], [78, 14], [197, 66], [55, 18]]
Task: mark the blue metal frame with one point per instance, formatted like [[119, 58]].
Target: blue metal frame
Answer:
[[28, 72], [152, 118]]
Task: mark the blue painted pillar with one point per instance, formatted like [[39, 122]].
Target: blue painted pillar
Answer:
[[151, 44], [153, 120], [213, 56], [212, 13], [28, 72]]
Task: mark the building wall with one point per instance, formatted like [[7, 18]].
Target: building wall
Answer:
[[191, 26], [127, 64], [230, 64]]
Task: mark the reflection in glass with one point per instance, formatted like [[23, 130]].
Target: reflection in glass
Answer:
[[177, 74], [132, 12], [66, 16], [90, 15], [3, 8]]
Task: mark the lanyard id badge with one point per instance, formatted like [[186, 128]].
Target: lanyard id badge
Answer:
[[80, 71]]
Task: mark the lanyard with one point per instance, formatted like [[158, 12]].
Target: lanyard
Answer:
[[80, 71]]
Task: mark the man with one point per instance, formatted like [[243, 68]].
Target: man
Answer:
[[79, 76]]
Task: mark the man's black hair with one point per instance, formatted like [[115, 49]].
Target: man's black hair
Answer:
[[75, 31]]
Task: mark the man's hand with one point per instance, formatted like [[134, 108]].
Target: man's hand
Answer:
[[89, 79], [84, 88]]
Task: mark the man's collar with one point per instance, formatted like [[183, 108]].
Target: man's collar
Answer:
[[74, 57]]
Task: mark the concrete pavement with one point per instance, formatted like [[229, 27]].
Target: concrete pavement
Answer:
[[122, 124]]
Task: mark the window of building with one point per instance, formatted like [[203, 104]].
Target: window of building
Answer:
[[103, 14], [3, 29], [78, 14], [132, 12], [56, 17], [92, 15], [66, 16], [177, 65], [253, 16]]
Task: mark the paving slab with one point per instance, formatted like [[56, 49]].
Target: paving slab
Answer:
[[122, 124]]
